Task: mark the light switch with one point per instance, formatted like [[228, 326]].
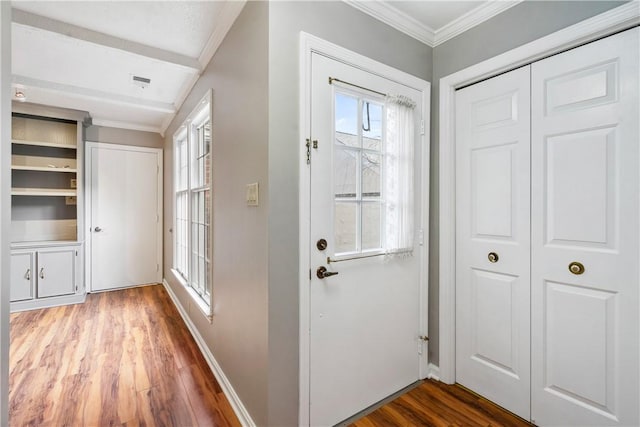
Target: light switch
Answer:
[[252, 194]]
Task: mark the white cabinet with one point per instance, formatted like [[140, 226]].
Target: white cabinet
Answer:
[[56, 272], [45, 276], [46, 206], [22, 275]]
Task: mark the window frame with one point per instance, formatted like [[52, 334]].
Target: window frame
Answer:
[[185, 136]]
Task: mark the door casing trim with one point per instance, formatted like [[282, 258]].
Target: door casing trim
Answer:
[[604, 24], [310, 44]]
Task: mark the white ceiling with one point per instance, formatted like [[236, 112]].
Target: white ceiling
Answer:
[[83, 54]]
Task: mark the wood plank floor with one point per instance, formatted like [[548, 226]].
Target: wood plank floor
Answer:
[[435, 404], [123, 358]]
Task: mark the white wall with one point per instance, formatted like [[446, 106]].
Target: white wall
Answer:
[[238, 335], [5, 203]]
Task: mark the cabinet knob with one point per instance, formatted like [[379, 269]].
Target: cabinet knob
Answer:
[[97, 229], [42, 273], [28, 275]]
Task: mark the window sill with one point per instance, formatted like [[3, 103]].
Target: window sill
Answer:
[[204, 308]]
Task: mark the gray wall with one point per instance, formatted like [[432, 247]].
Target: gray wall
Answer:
[[349, 28], [237, 337], [515, 27], [123, 136]]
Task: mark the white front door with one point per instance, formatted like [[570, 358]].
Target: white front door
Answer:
[[365, 319], [125, 200], [492, 239], [585, 211]]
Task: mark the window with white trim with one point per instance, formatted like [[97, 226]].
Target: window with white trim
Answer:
[[192, 204]]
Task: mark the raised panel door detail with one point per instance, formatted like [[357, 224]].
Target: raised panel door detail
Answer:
[[495, 332], [581, 188], [585, 88], [579, 346], [501, 110], [492, 178], [22, 276], [56, 272]]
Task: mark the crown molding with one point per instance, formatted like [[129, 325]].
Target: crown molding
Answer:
[[97, 121], [385, 12], [227, 16], [472, 18]]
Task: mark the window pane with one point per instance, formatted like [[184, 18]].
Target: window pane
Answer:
[[371, 225], [346, 120], [371, 125], [371, 182], [345, 227], [345, 172]]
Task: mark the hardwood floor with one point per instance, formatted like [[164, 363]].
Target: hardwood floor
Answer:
[[440, 405], [122, 358]]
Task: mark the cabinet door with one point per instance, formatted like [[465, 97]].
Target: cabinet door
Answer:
[[22, 274], [56, 272]]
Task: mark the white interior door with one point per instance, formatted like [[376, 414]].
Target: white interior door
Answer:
[[492, 239], [585, 205], [125, 199], [365, 320]]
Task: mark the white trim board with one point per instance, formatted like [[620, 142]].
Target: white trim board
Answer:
[[308, 45], [607, 23], [234, 400], [385, 12]]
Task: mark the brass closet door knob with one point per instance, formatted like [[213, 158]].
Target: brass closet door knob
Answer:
[[576, 268], [493, 257]]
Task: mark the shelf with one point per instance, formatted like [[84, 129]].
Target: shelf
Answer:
[[42, 169], [43, 144], [44, 192]]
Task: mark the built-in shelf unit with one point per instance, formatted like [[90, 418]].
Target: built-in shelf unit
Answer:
[[46, 206]]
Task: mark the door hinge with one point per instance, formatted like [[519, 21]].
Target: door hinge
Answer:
[[315, 144], [421, 127], [308, 145], [309, 274], [76, 253]]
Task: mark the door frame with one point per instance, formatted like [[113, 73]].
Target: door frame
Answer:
[[309, 45], [88, 201], [604, 24]]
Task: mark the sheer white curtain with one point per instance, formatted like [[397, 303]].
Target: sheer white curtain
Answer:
[[398, 179]]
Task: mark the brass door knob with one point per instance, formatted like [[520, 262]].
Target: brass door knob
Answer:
[[321, 244], [493, 257], [576, 268]]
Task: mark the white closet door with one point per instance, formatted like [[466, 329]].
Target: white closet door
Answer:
[[492, 239], [585, 209]]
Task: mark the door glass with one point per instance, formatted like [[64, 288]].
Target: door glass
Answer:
[[357, 174]]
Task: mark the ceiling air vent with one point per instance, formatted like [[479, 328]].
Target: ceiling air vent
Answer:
[[141, 82]]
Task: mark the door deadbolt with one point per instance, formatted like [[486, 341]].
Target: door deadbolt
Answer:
[[493, 257], [576, 268], [322, 272], [321, 244]]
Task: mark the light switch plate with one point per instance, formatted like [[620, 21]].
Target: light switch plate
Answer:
[[252, 194]]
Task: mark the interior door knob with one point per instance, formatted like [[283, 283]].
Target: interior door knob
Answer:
[[493, 257], [576, 268], [97, 229]]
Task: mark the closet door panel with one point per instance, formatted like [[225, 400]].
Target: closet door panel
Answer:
[[585, 255], [492, 243]]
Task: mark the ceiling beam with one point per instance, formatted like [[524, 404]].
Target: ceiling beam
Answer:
[[191, 65], [95, 95]]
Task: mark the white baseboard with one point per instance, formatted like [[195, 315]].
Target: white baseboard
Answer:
[[239, 409], [433, 372]]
